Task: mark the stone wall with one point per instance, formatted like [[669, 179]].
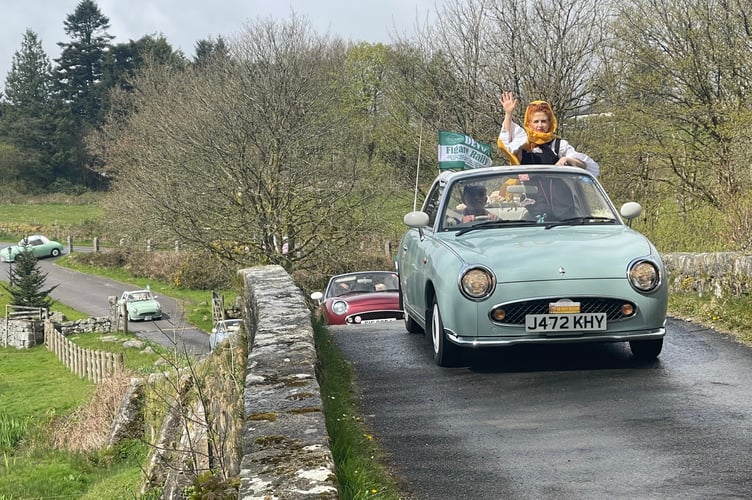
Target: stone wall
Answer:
[[24, 333], [723, 274], [21, 333], [286, 452]]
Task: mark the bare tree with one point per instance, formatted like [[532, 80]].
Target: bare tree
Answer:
[[549, 49], [443, 71], [250, 157], [682, 72], [453, 71]]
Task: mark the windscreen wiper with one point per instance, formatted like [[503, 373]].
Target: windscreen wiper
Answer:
[[490, 224], [576, 221]]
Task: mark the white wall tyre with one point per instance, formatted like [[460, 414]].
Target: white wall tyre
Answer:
[[445, 353]]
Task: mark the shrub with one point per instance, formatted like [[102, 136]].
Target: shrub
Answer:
[[196, 270]]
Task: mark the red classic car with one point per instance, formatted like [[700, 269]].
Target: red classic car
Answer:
[[358, 298]]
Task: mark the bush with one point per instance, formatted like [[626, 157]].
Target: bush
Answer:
[[190, 269]]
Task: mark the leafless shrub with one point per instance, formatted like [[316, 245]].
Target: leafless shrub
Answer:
[[87, 428]]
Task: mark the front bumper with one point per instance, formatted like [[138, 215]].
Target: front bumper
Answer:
[[657, 333]]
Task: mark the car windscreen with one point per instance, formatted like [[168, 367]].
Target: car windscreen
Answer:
[[520, 199], [366, 282]]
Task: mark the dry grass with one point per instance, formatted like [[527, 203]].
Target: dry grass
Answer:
[[88, 428]]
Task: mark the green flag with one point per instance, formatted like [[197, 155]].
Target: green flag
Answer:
[[460, 151]]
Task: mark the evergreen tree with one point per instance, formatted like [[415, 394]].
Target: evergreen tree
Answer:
[[79, 73], [28, 84], [26, 126], [27, 283], [124, 60], [209, 50], [80, 92]]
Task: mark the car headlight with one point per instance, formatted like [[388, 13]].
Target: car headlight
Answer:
[[644, 276], [477, 283], [339, 307]]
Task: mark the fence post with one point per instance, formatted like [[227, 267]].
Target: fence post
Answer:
[[96, 244]]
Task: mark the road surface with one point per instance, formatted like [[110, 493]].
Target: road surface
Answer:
[[89, 294], [559, 422]]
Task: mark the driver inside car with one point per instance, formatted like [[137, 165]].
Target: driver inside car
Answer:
[[474, 197]]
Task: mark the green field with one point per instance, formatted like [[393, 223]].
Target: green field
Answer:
[[55, 214]]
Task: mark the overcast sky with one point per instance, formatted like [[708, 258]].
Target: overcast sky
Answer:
[[184, 22]]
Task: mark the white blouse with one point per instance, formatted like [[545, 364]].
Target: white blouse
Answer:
[[519, 137]]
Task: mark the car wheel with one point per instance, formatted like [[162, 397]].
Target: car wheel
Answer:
[[411, 325], [646, 349], [444, 352], [55, 252]]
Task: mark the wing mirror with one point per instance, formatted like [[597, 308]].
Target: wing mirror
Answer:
[[630, 210], [416, 219]]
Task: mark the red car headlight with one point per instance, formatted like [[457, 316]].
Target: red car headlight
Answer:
[[339, 307]]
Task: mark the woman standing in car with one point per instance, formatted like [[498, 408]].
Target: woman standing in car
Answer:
[[537, 143]]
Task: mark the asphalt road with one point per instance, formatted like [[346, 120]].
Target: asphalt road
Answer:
[[89, 294], [559, 422]]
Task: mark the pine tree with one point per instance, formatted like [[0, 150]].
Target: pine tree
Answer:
[[208, 51], [27, 281], [27, 122], [80, 66], [28, 84], [80, 88]]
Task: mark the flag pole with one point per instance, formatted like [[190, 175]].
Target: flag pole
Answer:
[[417, 168]]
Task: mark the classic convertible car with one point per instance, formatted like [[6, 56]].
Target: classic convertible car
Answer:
[[39, 245], [545, 258], [357, 298], [142, 305]]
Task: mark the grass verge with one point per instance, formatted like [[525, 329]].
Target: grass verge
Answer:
[[357, 457], [730, 315]]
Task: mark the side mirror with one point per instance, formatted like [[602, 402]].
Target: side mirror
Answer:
[[630, 210], [416, 219]]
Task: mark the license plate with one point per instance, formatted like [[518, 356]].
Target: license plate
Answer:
[[147, 318], [584, 322], [383, 320]]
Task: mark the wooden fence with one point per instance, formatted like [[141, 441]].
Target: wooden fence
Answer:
[[94, 365]]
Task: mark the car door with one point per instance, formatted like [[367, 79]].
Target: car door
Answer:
[[36, 247], [412, 253]]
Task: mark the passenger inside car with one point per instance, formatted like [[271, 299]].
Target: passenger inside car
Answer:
[[551, 201], [473, 207]]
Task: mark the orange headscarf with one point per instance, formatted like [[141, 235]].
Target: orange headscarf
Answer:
[[513, 160], [538, 138]]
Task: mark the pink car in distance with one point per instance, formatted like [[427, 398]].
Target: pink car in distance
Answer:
[[360, 298]]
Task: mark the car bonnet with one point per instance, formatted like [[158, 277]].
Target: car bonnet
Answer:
[[582, 251]]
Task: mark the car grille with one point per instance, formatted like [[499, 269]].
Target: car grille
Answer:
[[516, 311], [374, 316]]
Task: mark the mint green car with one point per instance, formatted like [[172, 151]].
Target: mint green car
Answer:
[[141, 305], [530, 254], [39, 245]]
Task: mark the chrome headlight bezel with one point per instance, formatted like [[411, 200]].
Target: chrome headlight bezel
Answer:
[[339, 307], [644, 275], [477, 283]]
